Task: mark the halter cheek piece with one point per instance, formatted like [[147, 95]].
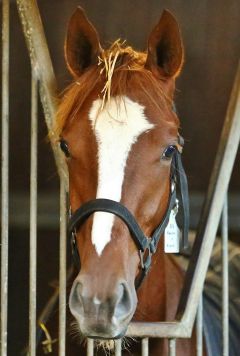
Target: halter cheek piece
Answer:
[[147, 245]]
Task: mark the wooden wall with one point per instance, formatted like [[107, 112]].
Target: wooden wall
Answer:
[[211, 36]]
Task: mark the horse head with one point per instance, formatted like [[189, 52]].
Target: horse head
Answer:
[[118, 131]]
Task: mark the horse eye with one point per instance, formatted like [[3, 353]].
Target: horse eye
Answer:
[[168, 152], [64, 147]]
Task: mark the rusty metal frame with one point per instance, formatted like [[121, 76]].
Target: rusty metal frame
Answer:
[[5, 176], [217, 191], [206, 233], [42, 66]]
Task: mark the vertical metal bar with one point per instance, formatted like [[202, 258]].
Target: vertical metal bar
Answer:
[[145, 346], [211, 213], [118, 347], [200, 327], [62, 270], [5, 174], [90, 347], [40, 60], [172, 347], [225, 287], [33, 218]]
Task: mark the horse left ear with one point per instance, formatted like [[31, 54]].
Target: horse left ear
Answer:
[[82, 46], [165, 47]]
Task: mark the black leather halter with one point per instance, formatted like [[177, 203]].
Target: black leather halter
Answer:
[[147, 245]]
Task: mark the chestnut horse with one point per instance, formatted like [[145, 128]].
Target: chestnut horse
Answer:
[[118, 130]]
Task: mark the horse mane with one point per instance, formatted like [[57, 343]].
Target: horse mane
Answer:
[[117, 68]]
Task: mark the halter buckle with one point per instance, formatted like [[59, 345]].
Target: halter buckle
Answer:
[[145, 261], [73, 240], [141, 253], [176, 207]]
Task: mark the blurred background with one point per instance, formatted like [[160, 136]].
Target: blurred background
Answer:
[[210, 31]]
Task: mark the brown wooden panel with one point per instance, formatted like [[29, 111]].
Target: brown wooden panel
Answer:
[[211, 36]]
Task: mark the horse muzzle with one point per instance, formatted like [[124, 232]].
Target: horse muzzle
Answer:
[[104, 316]]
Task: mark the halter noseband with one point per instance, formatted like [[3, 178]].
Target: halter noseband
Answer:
[[147, 245]]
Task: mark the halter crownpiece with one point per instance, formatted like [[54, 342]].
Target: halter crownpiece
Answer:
[[147, 245]]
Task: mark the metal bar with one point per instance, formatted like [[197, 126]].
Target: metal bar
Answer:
[[145, 346], [217, 190], [33, 218], [51, 304], [39, 54], [41, 62], [210, 217], [62, 270], [49, 308], [118, 347], [172, 347], [90, 347], [200, 327], [5, 175], [225, 287], [167, 329]]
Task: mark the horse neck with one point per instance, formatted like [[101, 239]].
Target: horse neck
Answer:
[[159, 294]]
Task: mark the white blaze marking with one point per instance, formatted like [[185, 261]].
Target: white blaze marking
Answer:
[[117, 127]]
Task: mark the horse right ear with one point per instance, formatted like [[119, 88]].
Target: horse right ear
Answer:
[[82, 46]]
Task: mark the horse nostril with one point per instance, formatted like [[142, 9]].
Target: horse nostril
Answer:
[[79, 288], [76, 301], [123, 307]]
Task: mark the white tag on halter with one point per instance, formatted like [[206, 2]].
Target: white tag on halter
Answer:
[[172, 235]]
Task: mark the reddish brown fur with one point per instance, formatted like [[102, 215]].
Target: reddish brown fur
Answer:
[[158, 296]]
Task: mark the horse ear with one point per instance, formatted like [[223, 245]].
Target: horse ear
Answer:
[[165, 48], [82, 45]]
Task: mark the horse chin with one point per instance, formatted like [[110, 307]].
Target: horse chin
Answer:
[[105, 344], [98, 332], [108, 337]]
